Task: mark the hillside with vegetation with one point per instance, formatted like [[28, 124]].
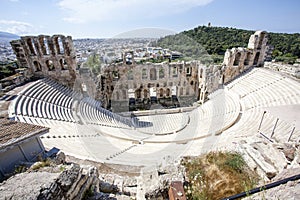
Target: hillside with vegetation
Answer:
[[217, 175], [215, 40]]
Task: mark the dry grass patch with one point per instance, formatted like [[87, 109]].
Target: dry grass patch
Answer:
[[217, 175]]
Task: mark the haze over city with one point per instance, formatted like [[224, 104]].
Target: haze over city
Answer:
[[105, 18]]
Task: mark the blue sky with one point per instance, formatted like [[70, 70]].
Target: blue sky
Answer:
[[107, 18]]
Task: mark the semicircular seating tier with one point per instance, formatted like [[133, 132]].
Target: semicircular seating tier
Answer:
[[49, 100], [45, 99], [233, 113]]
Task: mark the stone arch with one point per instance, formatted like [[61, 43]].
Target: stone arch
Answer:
[[31, 46], [168, 92], [189, 71], [63, 64], [47, 48], [187, 92], [247, 59], [66, 48], [161, 73], [61, 45], [43, 45], [144, 74], [50, 65], [222, 79], [256, 58], [152, 74], [195, 86], [146, 93], [161, 92], [261, 39], [138, 94], [56, 44], [175, 71], [37, 66], [237, 59]]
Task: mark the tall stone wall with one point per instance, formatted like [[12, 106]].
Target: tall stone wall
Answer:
[[121, 82], [47, 56], [237, 60], [188, 81]]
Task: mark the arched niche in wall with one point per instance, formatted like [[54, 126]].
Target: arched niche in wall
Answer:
[[146, 93], [161, 92], [138, 94], [31, 46], [50, 65], [237, 59], [63, 64], [168, 92], [144, 74], [37, 66], [161, 73], [247, 59], [152, 74], [256, 58]]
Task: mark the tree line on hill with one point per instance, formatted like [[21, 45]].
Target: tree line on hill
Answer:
[[215, 41]]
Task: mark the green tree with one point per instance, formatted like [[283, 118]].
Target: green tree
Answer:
[[94, 63], [215, 40]]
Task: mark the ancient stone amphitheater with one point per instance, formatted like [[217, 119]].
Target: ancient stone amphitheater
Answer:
[[250, 114], [252, 110]]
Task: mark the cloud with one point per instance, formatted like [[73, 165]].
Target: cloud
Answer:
[[14, 0], [80, 11], [15, 27]]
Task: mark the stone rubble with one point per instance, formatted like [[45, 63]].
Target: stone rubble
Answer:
[[290, 190], [74, 181], [269, 159], [274, 161]]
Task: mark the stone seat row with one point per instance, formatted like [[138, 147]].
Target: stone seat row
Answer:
[[239, 79], [279, 93], [162, 124], [119, 120], [248, 86], [97, 106], [57, 95], [249, 123], [27, 106], [50, 100], [259, 75], [92, 113], [220, 104], [281, 132], [45, 99]]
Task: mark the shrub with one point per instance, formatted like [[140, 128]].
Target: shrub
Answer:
[[41, 164], [217, 175]]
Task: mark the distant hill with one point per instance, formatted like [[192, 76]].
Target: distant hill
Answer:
[[215, 40], [6, 37]]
